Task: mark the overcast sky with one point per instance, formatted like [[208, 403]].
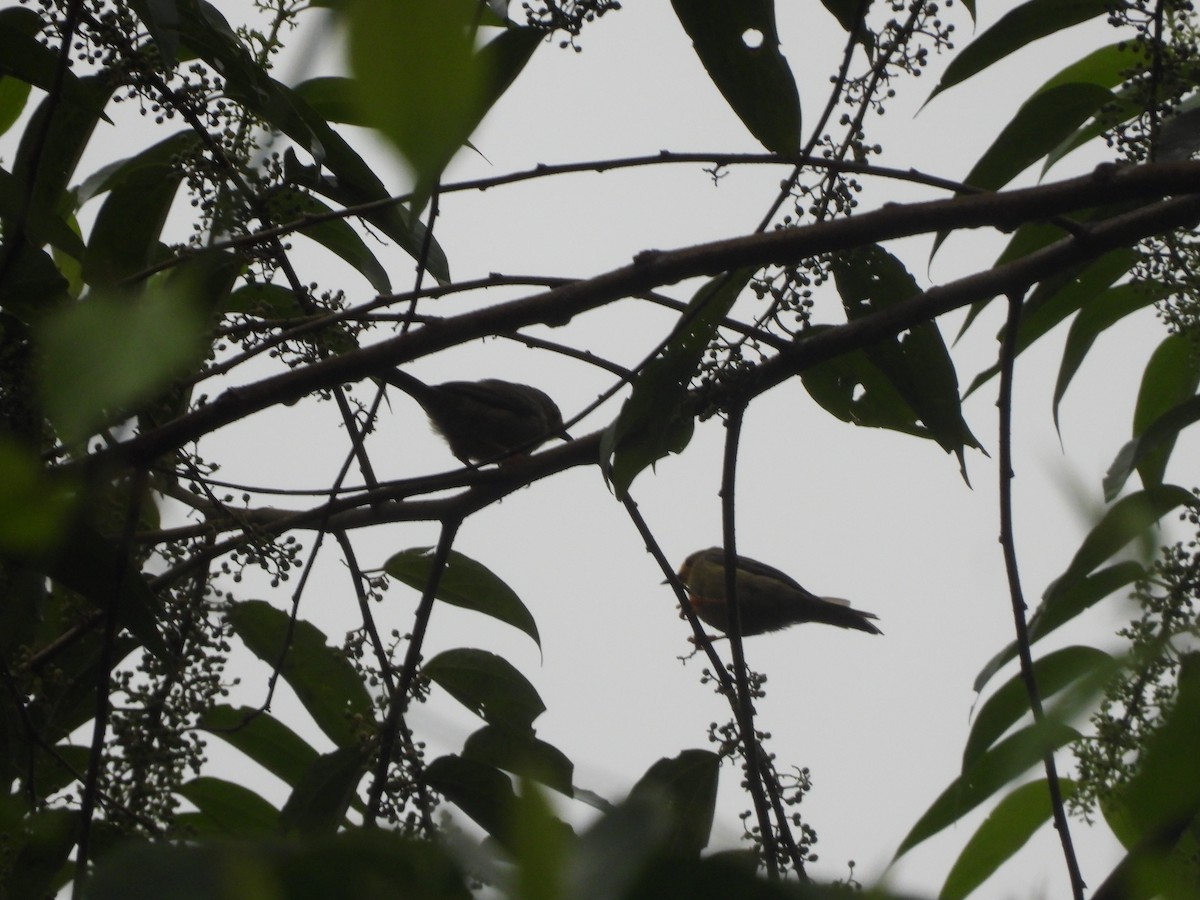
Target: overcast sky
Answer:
[[879, 518]]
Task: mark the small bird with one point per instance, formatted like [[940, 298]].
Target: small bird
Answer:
[[767, 598], [485, 420]]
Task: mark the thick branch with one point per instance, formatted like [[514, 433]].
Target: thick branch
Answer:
[[651, 269]]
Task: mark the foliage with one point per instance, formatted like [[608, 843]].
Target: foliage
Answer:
[[127, 339]]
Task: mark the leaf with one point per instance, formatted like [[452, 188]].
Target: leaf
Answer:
[[102, 357], [420, 81], [37, 850], [226, 808], [518, 751], [318, 804], [847, 12], [917, 363], [1021, 26], [1010, 702], [1003, 762], [1170, 379], [738, 44], [1041, 124], [479, 790], [1162, 431], [324, 680], [464, 583], [1159, 805], [334, 234], [1125, 520], [1102, 311], [488, 685], [855, 390], [33, 506], [1063, 606], [656, 420], [687, 785], [1006, 830], [263, 738], [611, 855]]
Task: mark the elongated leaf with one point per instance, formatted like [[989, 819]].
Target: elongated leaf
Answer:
[[1125, 520], [1102, 311], [464, 583], [1004, 762], [481, 791], [738, 44], [38, 847], [656, 420], [1009, 704], [263, 738], [1060, 608], [335, 235], [1170, 379], [321, 676], [228, 809], [488, 685], [518, 750], [855, 390], [420, 81], [319, 802], [688, 782], [1005, 831], [33, 506], [917, 363], [1027, 23], [1162, 431], [1039, 126]]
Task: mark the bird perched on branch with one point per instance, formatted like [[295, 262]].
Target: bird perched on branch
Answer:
[[485, 420], [767, 598]]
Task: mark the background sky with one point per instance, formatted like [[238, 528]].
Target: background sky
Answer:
[[883, 519]]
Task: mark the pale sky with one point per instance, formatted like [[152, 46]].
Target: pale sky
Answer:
[[880, 518]]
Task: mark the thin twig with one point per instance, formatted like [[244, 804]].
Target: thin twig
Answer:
[[1008, 352]]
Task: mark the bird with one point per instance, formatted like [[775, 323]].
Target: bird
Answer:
[[485, 420], [768, 599]]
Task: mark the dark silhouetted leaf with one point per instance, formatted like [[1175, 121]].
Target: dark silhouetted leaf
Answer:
[[687, 785], [319, 801], [228, 809], [322, 677], [739, 46], [464, 583], [488, 685], [263, 738]]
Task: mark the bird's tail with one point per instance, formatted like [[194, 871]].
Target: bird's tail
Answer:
[[836, 611]]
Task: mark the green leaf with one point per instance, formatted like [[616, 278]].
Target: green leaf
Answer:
[[1097, 315], [1170, 379], [318, 804], [1027, 23], [420, 81], [125, 238], [1006, 830], [611, 855], [687, 785], [847, 12], [656, 420], [738, 44], [37, 851], [33, 506], [464, 583], [518, 751], [1040, 125], [541, 846], [335, 235], [857, 391], [481, 791], [1159, 806], [102, 357], [356, 864], [1056, 297], [488, 685], [226, 808], [323, 679], [1002, 763], [1161, 432], [332, 98], [1010, 702], [917, 363], [263, 738], [25, 59], [1061, 607], [1127, 519]]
